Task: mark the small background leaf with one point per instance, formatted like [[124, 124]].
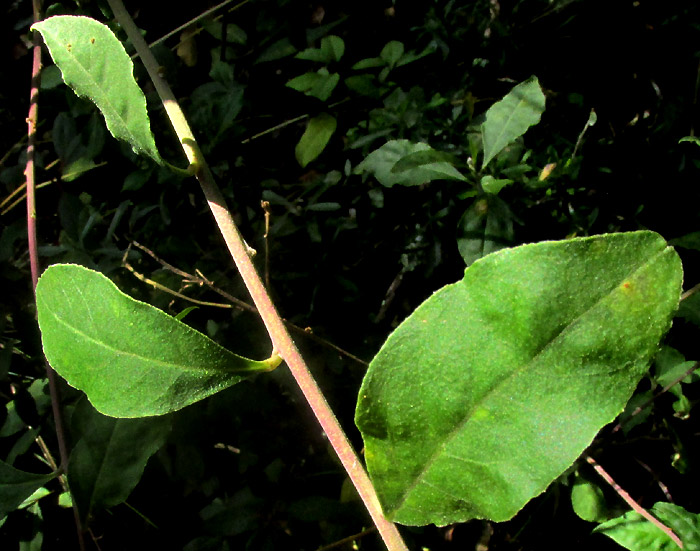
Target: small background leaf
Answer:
[[315, 138], [16, 486], [131, 359], [497, 383], [95, 65], [510, 118], [419, 167]]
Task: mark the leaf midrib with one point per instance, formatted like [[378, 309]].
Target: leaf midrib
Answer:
[[457, 429]]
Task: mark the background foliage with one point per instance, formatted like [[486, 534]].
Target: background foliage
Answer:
[[345, 255]]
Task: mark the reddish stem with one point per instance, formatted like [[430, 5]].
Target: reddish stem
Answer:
[[32, 119]]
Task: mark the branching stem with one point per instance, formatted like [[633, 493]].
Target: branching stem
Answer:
[[282, 341]]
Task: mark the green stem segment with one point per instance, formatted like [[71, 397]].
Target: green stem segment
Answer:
[[281, 339]]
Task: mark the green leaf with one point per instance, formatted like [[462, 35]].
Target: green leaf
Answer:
[[332, 49], [494, 185], [392, 52], [634, 532], [16, 486], [485, 227], [511, 117], [315, 138], [413, 171], [108, 460], [131, 359], [588, 501], [318, 85], [95, 65], [494, 386]]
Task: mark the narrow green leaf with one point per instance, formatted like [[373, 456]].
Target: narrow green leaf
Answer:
[[510, 118], [496, 384], [16, 486], [108, 460], [634, 532], [95, 65], [131, 359], [315, 138], [388, 166]]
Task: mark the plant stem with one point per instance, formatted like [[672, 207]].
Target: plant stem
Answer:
[[632, 503], [32, 118], [281, 340]]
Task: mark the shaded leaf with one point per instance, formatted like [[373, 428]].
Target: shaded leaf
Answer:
[[510, 118], [392, 52], [634, 532], [413, 171], [495, 384], [108, 461], [485, 227], [95, 65], [131, 359], [315, 138], [318, 85], [16, 486]]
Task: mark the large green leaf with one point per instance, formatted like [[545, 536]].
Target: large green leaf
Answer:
[[315, 138], [496, 384], [95, 65], [108, 460], [16, 486], [131, 359], [635, 533], [406, 163], [510, 118]]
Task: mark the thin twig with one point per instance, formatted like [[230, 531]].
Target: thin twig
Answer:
[[195, 20], [168, 290], [281, 340], [32, 118], [690, 292], [646, 404], [200, 279], [632, 503], [349, 539], [266, 208]]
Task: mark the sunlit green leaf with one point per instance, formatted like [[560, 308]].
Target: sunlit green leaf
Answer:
[[496, 384], [588, 501], [315, 138], [131, 359], [634, 532], [95, 65], [510, 118]]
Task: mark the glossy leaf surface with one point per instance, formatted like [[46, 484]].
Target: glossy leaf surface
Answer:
[[510, 118], [635, 533], [95, 65], [131, 359], [496, 384], [107, 462]]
